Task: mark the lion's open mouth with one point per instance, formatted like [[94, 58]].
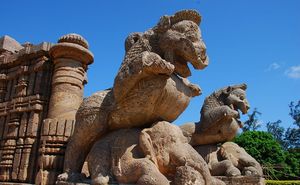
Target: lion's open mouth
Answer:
[[239, 115], [182, 68], [201, 62]]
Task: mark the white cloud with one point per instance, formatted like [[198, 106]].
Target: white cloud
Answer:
[[293, 72], [273, 66]]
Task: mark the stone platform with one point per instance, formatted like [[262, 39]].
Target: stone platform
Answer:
[[14, 183], [241, 180]]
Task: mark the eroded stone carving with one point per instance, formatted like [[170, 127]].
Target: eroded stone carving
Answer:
[[219, 123], [115, 126], [25, 75], [149, 87], [41, 88], [229, 160], [70, 59], [150, 156], [219, 120]]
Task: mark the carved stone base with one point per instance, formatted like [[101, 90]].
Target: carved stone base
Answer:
[[14, 183], [70, 183], [79, 183], [242, 180]]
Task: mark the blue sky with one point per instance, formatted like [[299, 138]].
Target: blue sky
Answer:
[[251, 41]]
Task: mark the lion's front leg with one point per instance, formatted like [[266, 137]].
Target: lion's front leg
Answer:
[[154, 64], [215, 116], [132, 71]]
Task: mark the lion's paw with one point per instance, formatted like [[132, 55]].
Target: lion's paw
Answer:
[[153, 63], [230, 113], [233, 171], [100, 180], [71, 177], [63, 177], [250, 171]]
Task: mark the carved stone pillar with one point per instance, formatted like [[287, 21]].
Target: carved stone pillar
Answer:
[[71, 57]]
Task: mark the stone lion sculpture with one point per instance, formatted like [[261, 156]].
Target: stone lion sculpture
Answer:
[[219, 120], [152, 156], [150, 85], [229, 159], [219, 123]]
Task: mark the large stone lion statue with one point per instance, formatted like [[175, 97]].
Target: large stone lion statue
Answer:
[[150, 85], [159, 155], [219, 120]]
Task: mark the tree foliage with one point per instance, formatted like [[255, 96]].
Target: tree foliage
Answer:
[[295, 112], [277, 163], [288, 138], [262, 146], [292, 135], [277, 131], [278, 149], [252, 123]]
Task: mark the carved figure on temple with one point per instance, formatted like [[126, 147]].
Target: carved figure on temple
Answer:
[[149, 87], [229, 160], [219, 120], [153, 156], [219, 123]]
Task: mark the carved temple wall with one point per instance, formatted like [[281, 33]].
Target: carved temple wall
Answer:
[[35, 123]]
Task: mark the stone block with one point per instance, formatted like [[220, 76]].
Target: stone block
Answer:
[[9, 44]]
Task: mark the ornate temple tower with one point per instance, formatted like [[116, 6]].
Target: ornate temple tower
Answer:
[[25, 84], [41, 88]]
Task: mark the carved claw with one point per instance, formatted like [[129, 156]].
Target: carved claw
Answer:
[[63, 177], [146, 145], [100, 180], [71, 177], [233, 171], [196, 90], [250, 171], [154, 64], [230, 113]]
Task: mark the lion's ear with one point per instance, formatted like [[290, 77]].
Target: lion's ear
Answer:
[[132, 39], [164, 24], [243, 86], [228, 90]]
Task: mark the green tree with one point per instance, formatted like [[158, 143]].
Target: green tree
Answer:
[[292, 135], [277, 131], [293, 162], [252, 123], [262, 146], [277, 163], [295, 112]]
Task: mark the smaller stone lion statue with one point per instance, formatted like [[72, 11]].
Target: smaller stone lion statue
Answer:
[[219, 123], [229, 159], [219, 116], [158, 155]]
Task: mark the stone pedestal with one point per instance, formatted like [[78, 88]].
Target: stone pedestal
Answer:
[[242, 180]]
